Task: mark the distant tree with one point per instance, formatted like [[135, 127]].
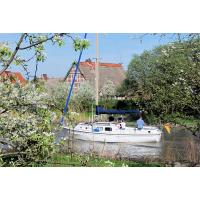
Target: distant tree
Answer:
[[84, 98], [57, 95], [81, 101], [108, 89], [107, 94]]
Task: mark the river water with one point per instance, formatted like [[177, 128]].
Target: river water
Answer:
[[179, 145]]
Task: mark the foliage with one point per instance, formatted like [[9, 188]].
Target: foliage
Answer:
[[25, 129], [81, 101], [5, 52], [107, 93], [57, 94], [84, 97], [87, 160], [166, 80], [80, 44], [108, 90], [108, 103]]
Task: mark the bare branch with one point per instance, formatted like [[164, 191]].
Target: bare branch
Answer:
[[27, 72], [27, 59]]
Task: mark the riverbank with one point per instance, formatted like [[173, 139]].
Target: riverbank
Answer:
[[86, 160]]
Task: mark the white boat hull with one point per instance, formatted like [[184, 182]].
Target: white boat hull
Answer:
[[117, 138], [134, 137]]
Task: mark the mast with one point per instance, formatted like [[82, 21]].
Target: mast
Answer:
[[97, 70]]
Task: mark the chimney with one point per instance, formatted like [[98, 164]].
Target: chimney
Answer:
[[88, 60], [45, 77]]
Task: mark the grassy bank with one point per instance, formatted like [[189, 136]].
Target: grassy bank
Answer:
[[77, 160]]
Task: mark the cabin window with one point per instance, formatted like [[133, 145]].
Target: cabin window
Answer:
[[98, 129], [108, 129]]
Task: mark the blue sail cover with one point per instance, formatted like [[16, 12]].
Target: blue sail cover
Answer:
[[100, 110]]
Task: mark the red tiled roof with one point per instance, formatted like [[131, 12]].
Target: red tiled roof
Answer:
[[111, 64], [92, 64], [107, 71], [15, 75]]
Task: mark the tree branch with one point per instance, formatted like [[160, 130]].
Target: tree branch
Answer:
[[27, 59], [37, 43], [27, 72], [5, 110], [13, 54], [36, 69], [45, 40]]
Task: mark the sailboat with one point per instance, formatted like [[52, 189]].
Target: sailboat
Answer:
[[110, 132]]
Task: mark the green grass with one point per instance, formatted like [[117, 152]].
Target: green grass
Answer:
[[77, 160], [187, 122]]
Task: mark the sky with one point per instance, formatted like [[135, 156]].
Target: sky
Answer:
[[113, 47]]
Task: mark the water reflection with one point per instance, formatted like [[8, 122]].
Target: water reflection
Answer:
[[119, 149]]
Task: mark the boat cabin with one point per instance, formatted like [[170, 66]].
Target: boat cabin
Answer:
[[99, 127]]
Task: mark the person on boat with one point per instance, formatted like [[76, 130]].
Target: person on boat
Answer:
[[121, 123], [111, 119], [140, 123]]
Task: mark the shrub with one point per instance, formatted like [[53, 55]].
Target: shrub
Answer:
[[25, 125]]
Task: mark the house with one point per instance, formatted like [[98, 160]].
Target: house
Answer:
[[50, 82], [86, 72], [14, 76]]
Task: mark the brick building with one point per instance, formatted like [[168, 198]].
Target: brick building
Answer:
[[86, 72]]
